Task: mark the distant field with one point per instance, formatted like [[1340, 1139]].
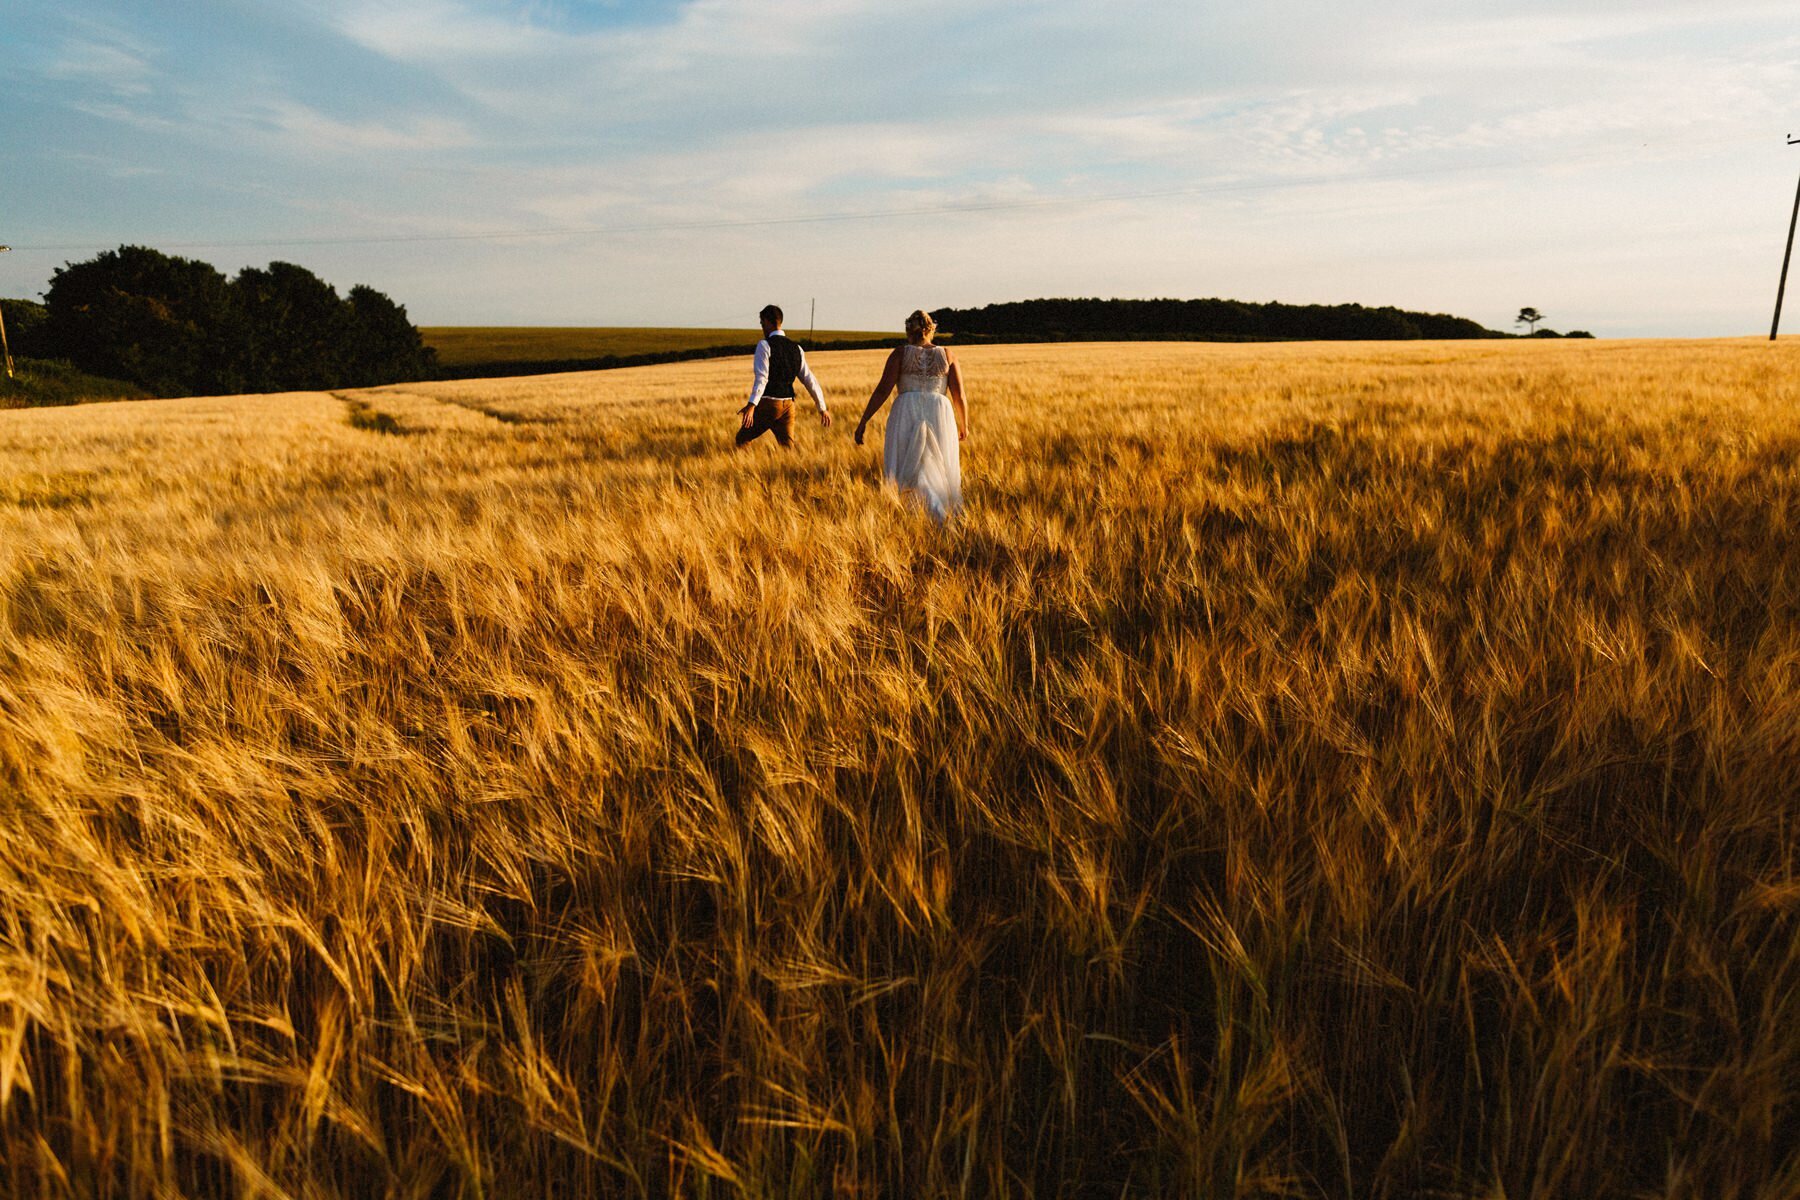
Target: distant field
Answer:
[[1343, 771], [460, 345]]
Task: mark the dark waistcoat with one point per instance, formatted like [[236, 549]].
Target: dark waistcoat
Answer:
[[784, 368]]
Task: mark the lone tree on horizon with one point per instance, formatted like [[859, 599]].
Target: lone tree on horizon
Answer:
[[1529, 316]]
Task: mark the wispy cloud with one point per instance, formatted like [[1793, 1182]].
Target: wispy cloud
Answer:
[[1540, 36], [1261, 139], [300, 128], [105, 65]]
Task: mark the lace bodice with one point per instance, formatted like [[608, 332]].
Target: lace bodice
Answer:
[[924, 369]]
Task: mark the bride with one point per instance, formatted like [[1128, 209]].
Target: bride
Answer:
[[920, 451]]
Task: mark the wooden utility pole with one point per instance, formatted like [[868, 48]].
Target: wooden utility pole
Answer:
[[812, 324], [4, 348], [1781, 291]]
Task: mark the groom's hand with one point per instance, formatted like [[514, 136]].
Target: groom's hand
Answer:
[[747, 416], [825, 419]]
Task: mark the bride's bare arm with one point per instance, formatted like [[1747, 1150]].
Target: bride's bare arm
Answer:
[[959, 399], [890, 379]]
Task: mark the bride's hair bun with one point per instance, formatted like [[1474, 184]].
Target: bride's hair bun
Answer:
[[920, 324]]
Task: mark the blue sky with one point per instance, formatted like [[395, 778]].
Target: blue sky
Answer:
[[1617, 165]]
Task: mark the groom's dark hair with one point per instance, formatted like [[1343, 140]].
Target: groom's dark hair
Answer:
[[772, 315]]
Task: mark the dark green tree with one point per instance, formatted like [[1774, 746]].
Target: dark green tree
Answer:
[[292, 329], [383, 346], [178, 327], [1199, 319], [24, 326], [137, 314]]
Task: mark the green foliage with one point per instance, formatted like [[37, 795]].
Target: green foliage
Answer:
[[382, 346], [37, 383], [177, 326], [1201, 320], [135, 314], [293, 327], [24, 322]]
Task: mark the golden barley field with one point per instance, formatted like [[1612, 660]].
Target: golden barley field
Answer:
[[1336, 771]]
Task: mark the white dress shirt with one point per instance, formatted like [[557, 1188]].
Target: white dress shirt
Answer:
[[759, 367]]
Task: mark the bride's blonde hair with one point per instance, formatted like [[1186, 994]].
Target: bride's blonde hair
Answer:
[[920, 325]]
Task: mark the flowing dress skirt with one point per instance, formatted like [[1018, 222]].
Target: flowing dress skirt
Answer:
[[920, 452]]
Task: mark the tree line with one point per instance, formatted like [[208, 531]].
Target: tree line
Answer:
[[179, 327], [1225, 320]]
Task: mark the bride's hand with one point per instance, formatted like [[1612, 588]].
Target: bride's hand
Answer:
[[859, 432], [962, 433]]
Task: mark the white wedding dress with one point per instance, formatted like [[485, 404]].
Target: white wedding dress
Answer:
[[920, 452]]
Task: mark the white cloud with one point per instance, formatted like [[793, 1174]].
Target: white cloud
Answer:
[[129, 115], [108, 65], [1526, 37], [306, 130], [437, 31]]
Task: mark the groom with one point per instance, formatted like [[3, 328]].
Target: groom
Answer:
[[778, 364]]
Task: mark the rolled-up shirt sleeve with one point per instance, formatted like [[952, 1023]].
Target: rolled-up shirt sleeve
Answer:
[[759, 374], [812, 383]]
